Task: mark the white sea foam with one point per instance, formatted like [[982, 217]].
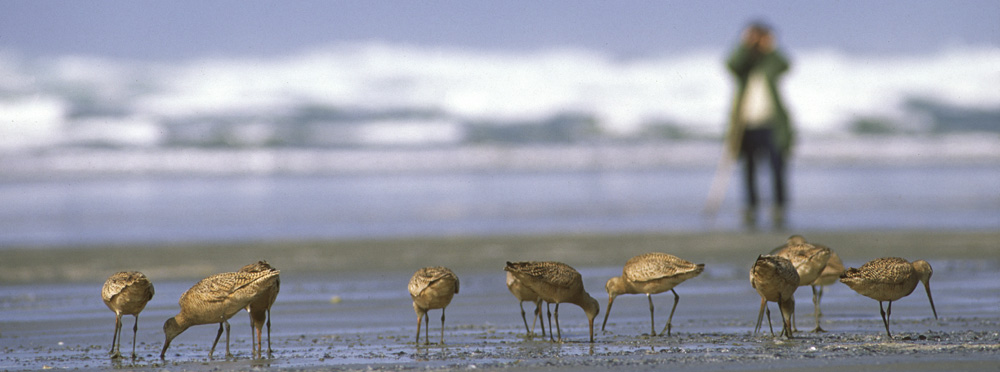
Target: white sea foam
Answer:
[[73, 100], [28, 122]]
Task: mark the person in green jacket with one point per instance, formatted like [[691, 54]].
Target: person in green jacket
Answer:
[[758, 122]]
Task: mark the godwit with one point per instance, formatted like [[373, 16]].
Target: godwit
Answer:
[[523, 293], [432, 288], [126, 293], [775, 279], [651, 273], [834, 269], [556, 283], [809, 261], [889, 279], [260, 309], [215, 299]]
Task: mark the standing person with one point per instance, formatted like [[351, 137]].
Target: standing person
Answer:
[[759, 123]]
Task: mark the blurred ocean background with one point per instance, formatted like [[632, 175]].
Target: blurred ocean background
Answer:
[[384, 137]]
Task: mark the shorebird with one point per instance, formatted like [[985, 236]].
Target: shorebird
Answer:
[[775, 279], [830, 275], [889, 279], [126, 293], [651, 273], [215, 299], [523, 293], [557, 283], [432, 288], [260, 309], [809, 261]]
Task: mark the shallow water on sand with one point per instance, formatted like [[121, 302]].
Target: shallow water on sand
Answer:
[[199, 209], [358, 320]]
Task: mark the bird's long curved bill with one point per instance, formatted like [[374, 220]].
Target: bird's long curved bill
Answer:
[[611, 301], [927, 286], [591, 330], [163, 352]]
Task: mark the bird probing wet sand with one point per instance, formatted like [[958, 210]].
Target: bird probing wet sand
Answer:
[[260, 309], [126, 293], [649, 274], [810, 261], [432, 288], [557, 283], [889, 279], [775, 279], [215, 299]]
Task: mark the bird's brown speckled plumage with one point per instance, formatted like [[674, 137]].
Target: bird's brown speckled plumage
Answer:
[[432, 288], [215, 299], [260, 309], [812, 262], [126, 293], [649, 274], [557, 283], [775, 279], [809, 260], [889, 279]]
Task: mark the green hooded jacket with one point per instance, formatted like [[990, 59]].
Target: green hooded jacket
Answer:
[[773, 65]]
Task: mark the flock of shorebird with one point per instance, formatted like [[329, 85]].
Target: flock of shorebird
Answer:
[[775, 276]]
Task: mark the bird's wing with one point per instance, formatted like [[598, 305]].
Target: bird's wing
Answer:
[[427, 276], [652, 266]]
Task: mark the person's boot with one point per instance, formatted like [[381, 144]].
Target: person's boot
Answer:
[[750, 218], [778, 217]]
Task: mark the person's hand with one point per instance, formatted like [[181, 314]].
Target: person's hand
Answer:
[[751, 37], [765, 43]]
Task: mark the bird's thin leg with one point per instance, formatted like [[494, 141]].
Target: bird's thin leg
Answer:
[[114, 339], [228, 354], [268, 333], [420, 321], [787, 308], [558, 328], [888, 317], [442, 326], [212, 350], [670, 319], [524, 318], [541, 320], [135, 331], [253, 340], [817, 293], [817, 296], [548, 311], [537, 314], [427, 329], [885, 320], [766, 309], [652, 320], [760, 314], [791, 320], [260, 341]]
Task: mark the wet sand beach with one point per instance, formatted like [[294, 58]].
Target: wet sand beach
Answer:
[[344, 306]]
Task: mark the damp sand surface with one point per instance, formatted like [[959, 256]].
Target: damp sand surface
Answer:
[[343, 306]]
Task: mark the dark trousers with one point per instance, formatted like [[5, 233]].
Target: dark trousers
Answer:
[[761, 142]]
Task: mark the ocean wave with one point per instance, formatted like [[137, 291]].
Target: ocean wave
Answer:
[[378, 94]]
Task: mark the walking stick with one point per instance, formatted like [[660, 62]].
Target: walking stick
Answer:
[[723, 171]]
